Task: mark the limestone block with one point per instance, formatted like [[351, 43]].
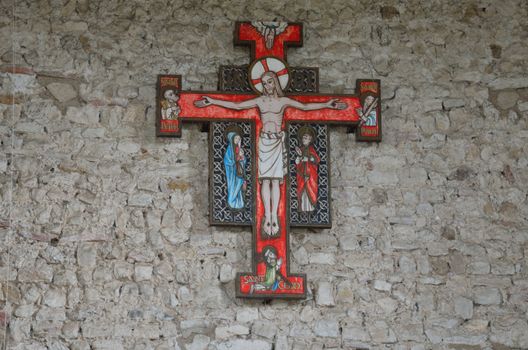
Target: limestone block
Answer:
[[345, 292], [107, 345], [300, 330], [22, 311], [523, 106], [301, 256], [388, 305], [382, 285], [355, 333], [478, 267], [380, 332], [507, 99], [142, 272], [407, 264], [322, 258], [54, 298], [264, 328], [453, 103], [128, 147], [87, 255], [88, 115], [247, 314], [503, 268], [185, 295], [325, 294], [510, 331], [409, 331], [243, 344], [194, 326], [470, 340], [80, 345], [71, 329], [487, 296], [175, 236], [94, 133], [129, 92], [91, 329], [326, 328], [140, 200], [464, 307], [62, 91], [225, 332], [227, 274], [164, 269], [123, 269]]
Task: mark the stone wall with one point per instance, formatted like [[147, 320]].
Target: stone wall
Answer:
[[104, 227]]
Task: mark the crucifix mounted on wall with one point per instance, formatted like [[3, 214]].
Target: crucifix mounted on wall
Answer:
[[269, 156]]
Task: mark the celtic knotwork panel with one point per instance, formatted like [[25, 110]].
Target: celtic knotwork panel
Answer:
[[321, 215], [235, 79], [221, 213], [304, 80]]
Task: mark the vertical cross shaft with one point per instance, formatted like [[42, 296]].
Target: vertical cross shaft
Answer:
[[269, 39]]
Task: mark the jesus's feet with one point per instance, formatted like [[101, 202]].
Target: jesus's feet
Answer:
[[274, 225], [266, 225]]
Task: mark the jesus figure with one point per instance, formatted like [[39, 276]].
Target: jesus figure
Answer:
[[272, 156]]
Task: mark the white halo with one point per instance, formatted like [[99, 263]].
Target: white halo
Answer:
[[274, 65]]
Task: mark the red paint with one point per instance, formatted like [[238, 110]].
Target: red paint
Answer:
[[4, 318], [292, 35], [347, 115], [190, 111], [265, 65], [17, 70], [369, 131], [172, 126]]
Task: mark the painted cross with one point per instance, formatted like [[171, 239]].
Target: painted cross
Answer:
[[268, 132]]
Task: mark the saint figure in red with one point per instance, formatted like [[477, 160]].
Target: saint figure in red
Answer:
[[307, 165]]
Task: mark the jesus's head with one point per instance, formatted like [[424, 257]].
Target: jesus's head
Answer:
[[271, 85]]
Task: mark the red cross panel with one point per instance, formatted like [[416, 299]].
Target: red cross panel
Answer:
[[268, 76]]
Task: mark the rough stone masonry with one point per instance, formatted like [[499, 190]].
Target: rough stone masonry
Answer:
[[104, 227]]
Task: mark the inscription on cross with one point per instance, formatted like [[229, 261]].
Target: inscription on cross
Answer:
[[269, 153]]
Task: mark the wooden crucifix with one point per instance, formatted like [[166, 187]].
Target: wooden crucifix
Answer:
[[269, 156]]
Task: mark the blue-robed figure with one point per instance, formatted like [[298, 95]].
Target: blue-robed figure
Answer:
[[235, 170]]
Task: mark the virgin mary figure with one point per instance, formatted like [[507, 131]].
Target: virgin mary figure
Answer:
[[235, 170]]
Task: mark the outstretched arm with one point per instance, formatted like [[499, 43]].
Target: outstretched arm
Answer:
[[332, 104], [209, 101]]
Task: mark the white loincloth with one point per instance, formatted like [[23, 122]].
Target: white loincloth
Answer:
[[272, 156]]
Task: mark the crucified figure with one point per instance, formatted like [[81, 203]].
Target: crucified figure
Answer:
[[271, 149]]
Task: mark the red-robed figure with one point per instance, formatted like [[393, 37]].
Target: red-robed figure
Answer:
[[307, 165]]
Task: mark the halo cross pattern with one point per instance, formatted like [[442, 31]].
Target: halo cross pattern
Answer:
[[269, 115]]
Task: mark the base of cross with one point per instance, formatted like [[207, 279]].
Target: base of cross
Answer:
[[255, 286]]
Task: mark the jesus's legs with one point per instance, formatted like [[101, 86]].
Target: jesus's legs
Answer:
[[266, 199], [275, 199]]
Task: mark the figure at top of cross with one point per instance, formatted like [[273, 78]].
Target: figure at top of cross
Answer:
[[270, 110]]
